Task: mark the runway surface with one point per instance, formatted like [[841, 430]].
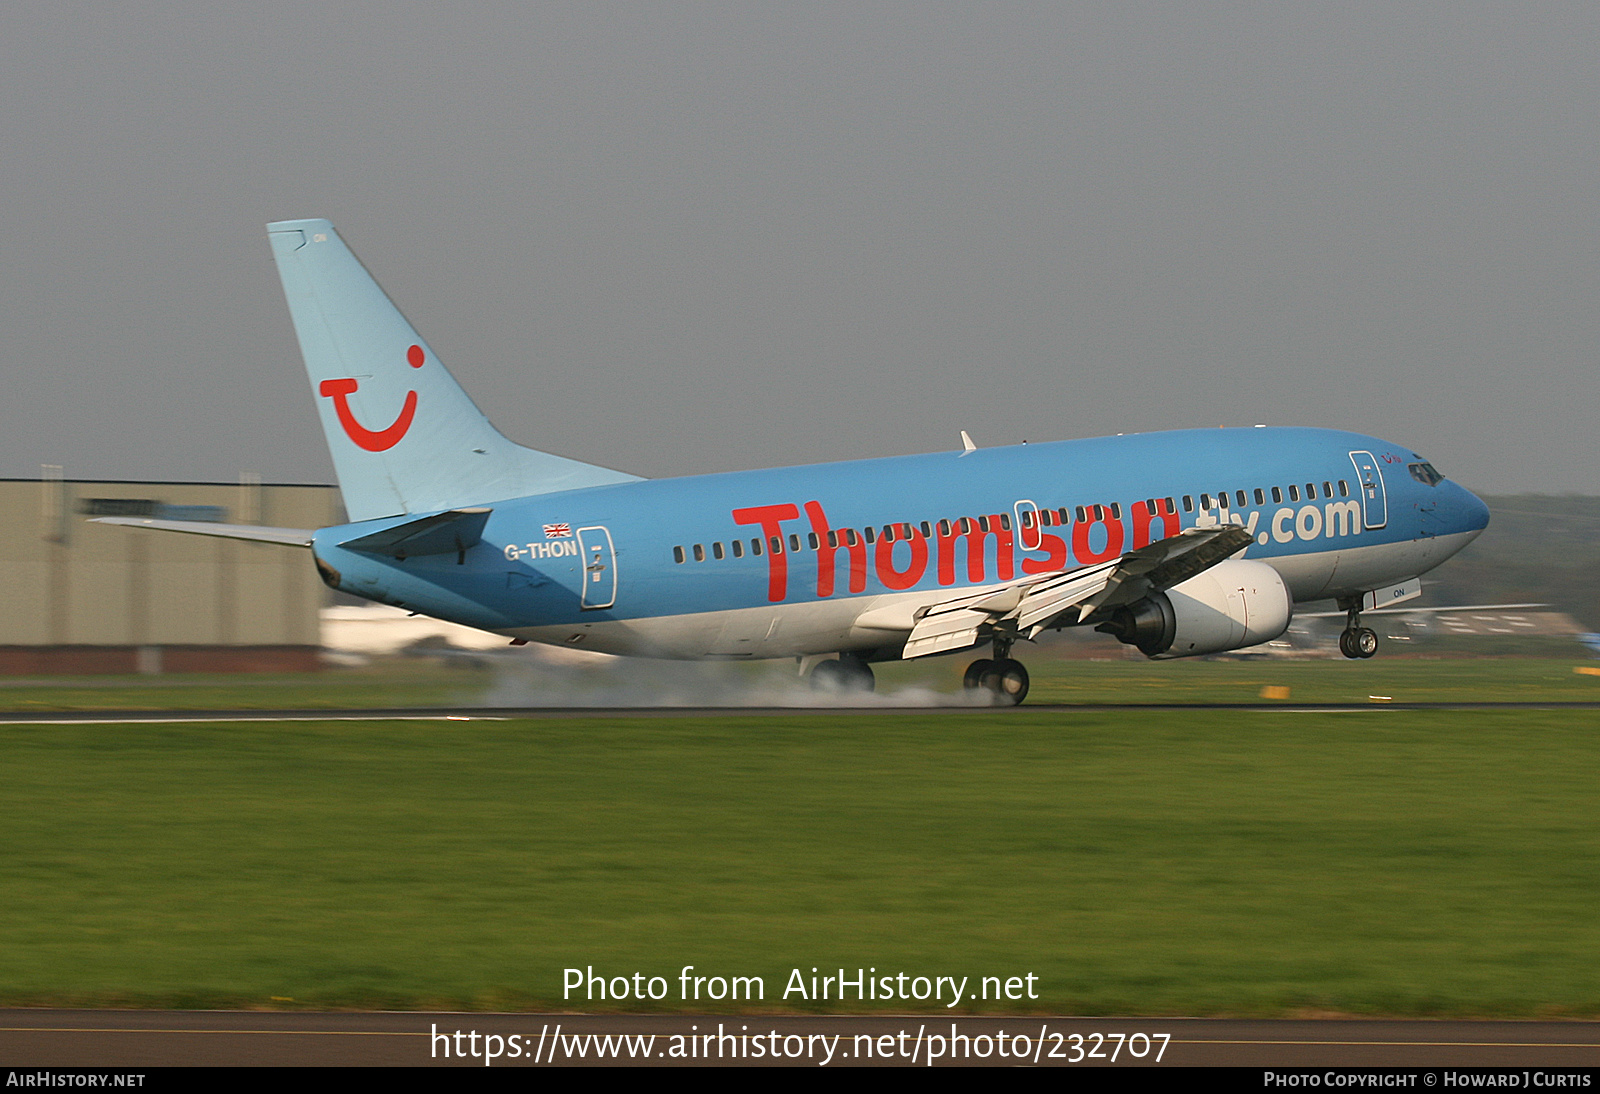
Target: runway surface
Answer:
[[464, 714], [133, 1039]]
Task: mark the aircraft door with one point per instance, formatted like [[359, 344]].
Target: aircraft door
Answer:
[[1369, 479], [599, 567]]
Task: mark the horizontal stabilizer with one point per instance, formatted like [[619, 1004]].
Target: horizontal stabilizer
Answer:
[[289, 537], [442, 533]]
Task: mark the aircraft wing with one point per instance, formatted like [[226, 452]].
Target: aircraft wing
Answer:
[[290, 537], [1034, 604]]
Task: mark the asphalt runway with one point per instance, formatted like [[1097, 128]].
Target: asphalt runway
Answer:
[[468, 714], [134, 1039]]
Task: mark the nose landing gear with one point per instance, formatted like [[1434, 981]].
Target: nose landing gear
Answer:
[[1355, 641]]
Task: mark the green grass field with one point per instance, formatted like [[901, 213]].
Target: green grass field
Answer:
[[1252, 862]]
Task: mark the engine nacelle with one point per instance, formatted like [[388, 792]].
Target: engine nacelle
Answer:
[[1234, 604]]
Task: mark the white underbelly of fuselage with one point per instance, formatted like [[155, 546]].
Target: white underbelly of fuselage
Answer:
[[832, 626]]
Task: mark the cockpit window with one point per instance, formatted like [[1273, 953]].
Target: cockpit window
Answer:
[[1424, 473]]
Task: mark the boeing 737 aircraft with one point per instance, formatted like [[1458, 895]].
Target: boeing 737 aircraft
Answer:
[[1178, 544]]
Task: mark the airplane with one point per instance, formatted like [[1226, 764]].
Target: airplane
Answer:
[[1176, 543]]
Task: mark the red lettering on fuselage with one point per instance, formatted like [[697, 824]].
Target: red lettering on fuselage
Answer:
[[770, 518], [1056, 559], [827, 546], [897, 580], [1083, 552], [1058, 551], [1143, 519], [974, 533]]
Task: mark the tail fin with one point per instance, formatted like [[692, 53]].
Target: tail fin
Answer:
[[405, 438]]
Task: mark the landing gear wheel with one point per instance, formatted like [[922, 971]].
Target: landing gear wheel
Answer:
[[1365, 642], [1009, 681], [1005, 679], [1358, 642], [842, 677]]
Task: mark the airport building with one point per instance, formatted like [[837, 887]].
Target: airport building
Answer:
[[97, 598]]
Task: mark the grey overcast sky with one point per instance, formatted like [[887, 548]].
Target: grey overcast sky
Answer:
[[687, 237]]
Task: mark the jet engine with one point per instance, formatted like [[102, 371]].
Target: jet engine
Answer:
[[1233, 604]]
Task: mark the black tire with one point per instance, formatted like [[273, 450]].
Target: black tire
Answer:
[[1010, 682], [1347, 644], [1365, 642], [973, 679], [842, 677]]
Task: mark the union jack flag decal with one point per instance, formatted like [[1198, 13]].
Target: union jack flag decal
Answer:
[[558, 531]]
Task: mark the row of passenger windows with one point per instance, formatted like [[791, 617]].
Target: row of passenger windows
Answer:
[[848, 537], [1310, 493]]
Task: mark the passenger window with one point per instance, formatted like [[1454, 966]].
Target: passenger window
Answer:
[[983, 524], [850, 537], [1294, 492], [699, 553], [1277, 496], [1327, 489], [755, 546], [1222, 500], [1116, 510], [1344, 489], [1082, 514], [965, 525], [716, 550], [1188, 503], [944, 528], [1171, 508], [1005, 522], [1205, 501], [1064, 518], [738, 548], [677, 554], [1311, 491], [871, 534], [1239, 497], [812, 541], [1261, 497], [794, 544], [927, 530]]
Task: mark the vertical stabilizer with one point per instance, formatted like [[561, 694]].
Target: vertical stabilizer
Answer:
[[405, 438]]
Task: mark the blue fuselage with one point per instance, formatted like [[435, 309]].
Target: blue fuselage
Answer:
[[780, 562]]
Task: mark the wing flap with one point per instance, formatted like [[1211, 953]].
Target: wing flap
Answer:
[[1025, 608]]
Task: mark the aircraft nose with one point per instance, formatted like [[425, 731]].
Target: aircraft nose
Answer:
[[1471, 512]]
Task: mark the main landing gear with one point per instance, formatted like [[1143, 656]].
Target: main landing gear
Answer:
[[1355, 641], [1002, 677], [848, 674]]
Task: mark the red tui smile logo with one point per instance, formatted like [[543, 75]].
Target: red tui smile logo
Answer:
[[373, 440]]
